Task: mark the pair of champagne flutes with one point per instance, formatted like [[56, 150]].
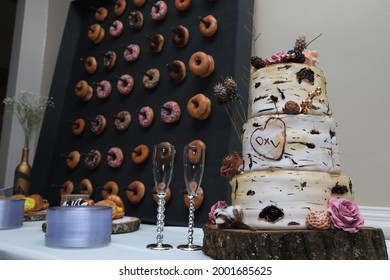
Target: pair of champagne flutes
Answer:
[[163, 162]]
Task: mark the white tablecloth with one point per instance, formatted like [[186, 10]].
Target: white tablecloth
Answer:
[[28, 242]]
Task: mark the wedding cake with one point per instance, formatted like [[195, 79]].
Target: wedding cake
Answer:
[[289, 173]]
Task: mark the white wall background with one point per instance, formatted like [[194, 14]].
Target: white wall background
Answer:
[[354, 54]]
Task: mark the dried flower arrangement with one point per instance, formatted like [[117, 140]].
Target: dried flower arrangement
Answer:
[[30, 109]]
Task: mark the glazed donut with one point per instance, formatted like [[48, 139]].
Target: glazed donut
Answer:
[[135, 192], [180, 36], [182, 5], [85, 187], [98, 124], [136, 20], [195, 154], [122, 120], [139, 3], [67, 188], [103, 89], [38, 202], [120, 7], [198, 199], [151, 78], [109, 188], [83, 90], [78, 126], [211, 68], [90, 64], [156, 43], [177, 71], [96, 33], [199, 106], [73, 159], [170, 112], [199, 63], [109, 59], [116, 28], [159, 10], [167, 150], [101, 14], [140, 154], [125, 84], [132, 52], [92, 159], [208, 26], [145, 116], [114, 157], [168, 194]]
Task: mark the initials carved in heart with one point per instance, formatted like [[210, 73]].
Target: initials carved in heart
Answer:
[[269, 141]]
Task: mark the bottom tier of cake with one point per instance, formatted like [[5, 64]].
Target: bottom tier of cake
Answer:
[[282, 199]]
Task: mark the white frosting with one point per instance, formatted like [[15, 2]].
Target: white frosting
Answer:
[[291, 142], [291, 158], [296, 193], [280, 81]]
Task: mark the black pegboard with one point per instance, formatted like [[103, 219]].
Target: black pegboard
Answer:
[[230, 48]]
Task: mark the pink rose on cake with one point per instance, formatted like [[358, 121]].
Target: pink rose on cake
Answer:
[[275, 58], [215, 207], [345, 215]]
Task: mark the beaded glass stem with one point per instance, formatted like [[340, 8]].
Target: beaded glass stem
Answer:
[[193, 163], [163, 159]]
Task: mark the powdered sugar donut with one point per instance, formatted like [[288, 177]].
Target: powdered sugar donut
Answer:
[[132, 52], [116, 28], [159, 10], [125, 84], [170, 112], [103, 89], [145, 116], [114, 157], [151, 78]]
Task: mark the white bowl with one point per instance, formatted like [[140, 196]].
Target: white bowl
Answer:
[[78, 226], [11, 213]]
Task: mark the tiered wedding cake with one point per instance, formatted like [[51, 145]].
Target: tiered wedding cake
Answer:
[[290, 160]]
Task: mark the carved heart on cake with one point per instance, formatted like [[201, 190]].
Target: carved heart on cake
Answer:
[[269, 141]]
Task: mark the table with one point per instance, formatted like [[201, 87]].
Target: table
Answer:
[[28, 243]]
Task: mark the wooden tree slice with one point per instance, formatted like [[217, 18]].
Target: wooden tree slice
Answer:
[[227, 244], [35, 216]]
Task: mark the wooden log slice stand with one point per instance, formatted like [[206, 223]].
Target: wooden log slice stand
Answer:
[[228, 244]]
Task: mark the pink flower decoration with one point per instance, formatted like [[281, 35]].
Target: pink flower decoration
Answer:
[[218, 205], [311, 57], [345, 215], [276, 58]]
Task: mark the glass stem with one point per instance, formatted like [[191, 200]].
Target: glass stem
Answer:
[[191, 218], [160, 220]]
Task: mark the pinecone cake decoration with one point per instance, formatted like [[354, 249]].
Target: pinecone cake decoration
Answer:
[[318, 220]]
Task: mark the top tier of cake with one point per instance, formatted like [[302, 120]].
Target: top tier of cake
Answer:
[[288, 86]]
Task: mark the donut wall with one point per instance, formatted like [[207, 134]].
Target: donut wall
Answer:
[[134, 86]]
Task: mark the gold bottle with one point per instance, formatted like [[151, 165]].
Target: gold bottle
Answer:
[[22, 179]]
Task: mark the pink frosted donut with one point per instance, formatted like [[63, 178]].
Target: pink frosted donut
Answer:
[[131, 52], [145, 116], [136, 20], [116, 28], [125, 84], [170, 112], [114, 157], [159, 10], [103, 89]]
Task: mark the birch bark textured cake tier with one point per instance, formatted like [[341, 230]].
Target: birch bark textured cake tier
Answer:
[[288, 175]]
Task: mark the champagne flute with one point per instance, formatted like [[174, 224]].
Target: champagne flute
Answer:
[[193, 163], [163, 158]]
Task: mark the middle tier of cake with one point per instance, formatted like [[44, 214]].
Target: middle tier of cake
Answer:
[[291, 142]]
